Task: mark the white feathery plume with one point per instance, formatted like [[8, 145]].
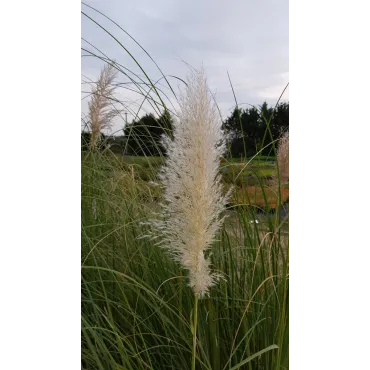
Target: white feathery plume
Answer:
[[102, 111], [193, 196]]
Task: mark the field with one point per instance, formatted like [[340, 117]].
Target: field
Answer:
[[251, 178], [137, 310]]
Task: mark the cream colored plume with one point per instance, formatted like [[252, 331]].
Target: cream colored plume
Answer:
[[194, 200], [101, 107]]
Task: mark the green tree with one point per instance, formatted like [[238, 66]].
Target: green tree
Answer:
[[143, 137], [247, 129]]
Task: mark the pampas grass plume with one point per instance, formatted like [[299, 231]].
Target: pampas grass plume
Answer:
[[101, 108], [193, 196]]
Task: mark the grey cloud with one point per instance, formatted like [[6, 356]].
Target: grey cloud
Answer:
[[248, 39]]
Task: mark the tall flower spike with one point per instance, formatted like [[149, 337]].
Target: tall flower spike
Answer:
[[193, 193], [102, 111]]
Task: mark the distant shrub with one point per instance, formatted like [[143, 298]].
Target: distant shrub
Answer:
[[86, 141]]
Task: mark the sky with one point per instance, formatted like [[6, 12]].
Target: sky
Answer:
[[247, 39]]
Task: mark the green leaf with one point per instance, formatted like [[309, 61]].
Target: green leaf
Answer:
[[250, 358]]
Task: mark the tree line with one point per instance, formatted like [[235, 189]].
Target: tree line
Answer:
[[248, 130], [252, 130]]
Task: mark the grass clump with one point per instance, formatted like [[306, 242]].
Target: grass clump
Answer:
[[136, 306]]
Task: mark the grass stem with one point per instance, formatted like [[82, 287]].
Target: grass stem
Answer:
[[195, 324]]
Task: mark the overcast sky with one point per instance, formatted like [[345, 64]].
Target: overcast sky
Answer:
[[249, 39]]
